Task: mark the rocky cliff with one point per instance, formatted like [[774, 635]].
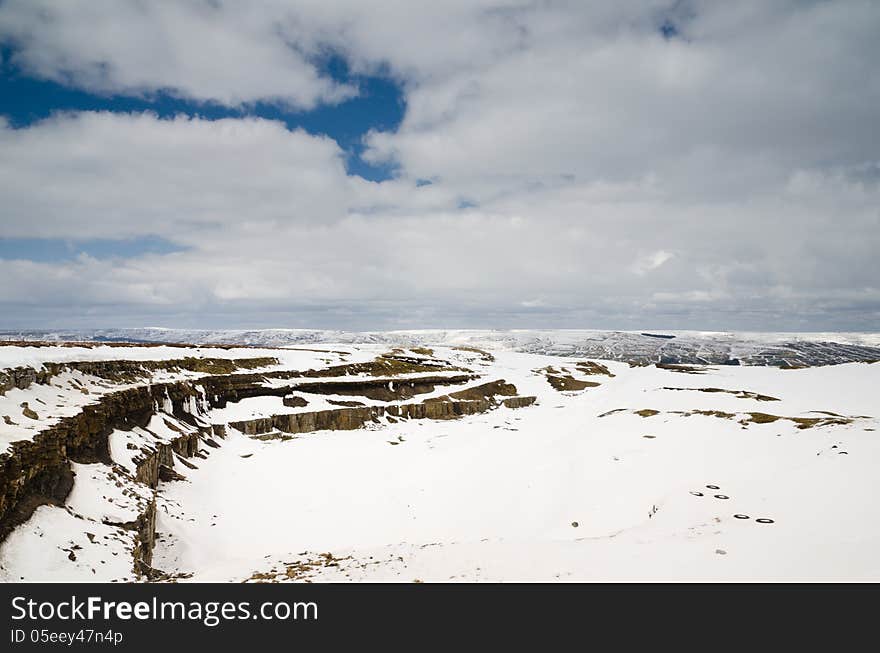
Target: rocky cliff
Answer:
[[38, 471]]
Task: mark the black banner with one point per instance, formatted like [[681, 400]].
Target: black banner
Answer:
[[151, 617]]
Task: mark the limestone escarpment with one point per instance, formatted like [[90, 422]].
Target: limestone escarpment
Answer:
[[390, 364], [384, 389], [346, 419], [18, 377], [37, 471], [133, 370], [477, 399], [146, 431], [124, 370]]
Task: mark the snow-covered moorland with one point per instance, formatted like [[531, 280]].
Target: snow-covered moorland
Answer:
[[371, 462]]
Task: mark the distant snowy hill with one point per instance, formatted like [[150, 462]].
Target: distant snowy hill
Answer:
[[671, 347]]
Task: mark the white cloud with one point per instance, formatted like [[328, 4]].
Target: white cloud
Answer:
[[107, 175], [650, 262], [587, 171], [742, 98], [225, 52]]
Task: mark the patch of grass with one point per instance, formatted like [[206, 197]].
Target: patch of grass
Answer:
[[593, 369], [568, 383], [753, 417], [684, 369], [810, 422], [390, 364], [800, 422], [716, 413], [274, 435], [739, 394], [298, 570], [346, 404], [762, 418], [486, 391], [563, 381], [720, 414], [484, 355]]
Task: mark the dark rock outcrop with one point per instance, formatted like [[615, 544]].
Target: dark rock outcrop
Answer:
[[37, 471], [473, 401], [383, 389], [19, 377], [519, 402]]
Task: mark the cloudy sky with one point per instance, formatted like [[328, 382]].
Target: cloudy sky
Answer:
[[412, 163]]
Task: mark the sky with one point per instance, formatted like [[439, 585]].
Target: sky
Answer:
[[364, 165]]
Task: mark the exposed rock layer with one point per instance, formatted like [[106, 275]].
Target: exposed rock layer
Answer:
[[37, 471]]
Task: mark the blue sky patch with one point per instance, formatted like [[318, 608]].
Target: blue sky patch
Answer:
[[54, 250], [668, 30], [379, 106]]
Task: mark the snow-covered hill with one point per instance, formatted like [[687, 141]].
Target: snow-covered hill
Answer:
[[446, 463], [721, 348]]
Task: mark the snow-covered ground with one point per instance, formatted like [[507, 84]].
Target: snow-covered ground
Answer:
[[620, 481], [495, 496]]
